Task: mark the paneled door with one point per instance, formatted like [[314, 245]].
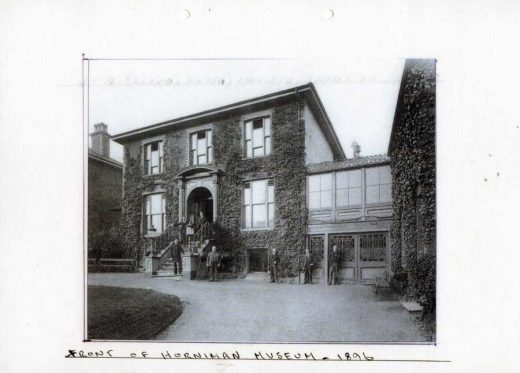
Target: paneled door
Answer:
[[364, 256], [316, 245]]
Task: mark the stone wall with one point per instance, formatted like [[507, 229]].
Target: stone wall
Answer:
[[412, 153]]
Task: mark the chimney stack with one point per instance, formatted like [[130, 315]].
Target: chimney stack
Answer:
[[356, 148], [101, 140]]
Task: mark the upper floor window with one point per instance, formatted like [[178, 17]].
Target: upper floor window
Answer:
[[320, 191], [258, 137], [348, 188], [259, 204], [153, 158], [155, 213], [201, 151], [378, 184]]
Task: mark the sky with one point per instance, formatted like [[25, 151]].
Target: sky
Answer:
[[359, 95]]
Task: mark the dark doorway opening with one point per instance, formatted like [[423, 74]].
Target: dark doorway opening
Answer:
[[257, 260], [200, 200]]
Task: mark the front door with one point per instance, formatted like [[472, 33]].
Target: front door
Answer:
[[316, 245], [257, 260]]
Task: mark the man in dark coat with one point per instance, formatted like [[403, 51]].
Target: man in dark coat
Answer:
[[273, 265], [183, 224], [177, 250], [307, 267], [334, 264], [213, 262]]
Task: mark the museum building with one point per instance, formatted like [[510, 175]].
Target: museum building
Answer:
[[264, 173]]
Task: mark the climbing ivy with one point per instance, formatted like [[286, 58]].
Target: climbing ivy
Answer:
[[412, 156]]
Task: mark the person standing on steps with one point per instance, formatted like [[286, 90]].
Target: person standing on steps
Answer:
[[273, 265], [177, 250], [183, 224], [213, 262]]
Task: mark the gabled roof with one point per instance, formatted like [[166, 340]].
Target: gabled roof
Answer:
[[307, 90], [371, 160]]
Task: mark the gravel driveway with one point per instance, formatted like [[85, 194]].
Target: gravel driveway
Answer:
[[257, 311]]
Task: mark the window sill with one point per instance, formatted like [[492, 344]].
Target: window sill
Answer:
[[150, 175], [201, 164], [256, 229], [151, 235], [263, 156]]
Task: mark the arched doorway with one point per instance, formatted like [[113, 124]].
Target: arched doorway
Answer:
[[200, 200]]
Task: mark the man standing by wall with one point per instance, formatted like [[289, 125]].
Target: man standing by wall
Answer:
[[273, 265], [212, 263], [307, 267], [176, 256], [334, 263]]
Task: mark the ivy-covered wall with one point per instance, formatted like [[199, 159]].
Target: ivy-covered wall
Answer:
[[136, 184], [412, 153], [285, 165]]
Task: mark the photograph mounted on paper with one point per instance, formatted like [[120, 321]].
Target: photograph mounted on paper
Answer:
[[260, 201]]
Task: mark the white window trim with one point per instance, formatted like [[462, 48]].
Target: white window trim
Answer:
[[332, 191], [251, 116], [144, 225], [242, 207], [146, 142], [191, 131]]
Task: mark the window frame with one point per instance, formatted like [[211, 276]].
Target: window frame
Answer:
[[147, 167], [379, 202], [194, 153], [320, 191], [348, 188], [266, 138], [270, 206], [148, 218]]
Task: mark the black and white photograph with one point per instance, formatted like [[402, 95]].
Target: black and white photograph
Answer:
[[260, 186], [232, 201]]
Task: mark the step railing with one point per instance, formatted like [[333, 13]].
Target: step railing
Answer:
[[206, 232], [160, 244]]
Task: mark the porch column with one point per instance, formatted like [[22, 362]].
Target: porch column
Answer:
[[180, 186]]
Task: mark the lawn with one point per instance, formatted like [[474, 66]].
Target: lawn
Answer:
[[129, 314]]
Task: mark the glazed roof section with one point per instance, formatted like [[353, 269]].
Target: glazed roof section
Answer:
[[372, 160], [308, 91]]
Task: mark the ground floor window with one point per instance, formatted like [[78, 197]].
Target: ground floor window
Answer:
[[258, 204], [155, 213]]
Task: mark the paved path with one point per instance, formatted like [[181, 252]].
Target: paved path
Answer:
[[255, 311]]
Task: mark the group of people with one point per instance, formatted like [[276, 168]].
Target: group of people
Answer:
[[212, 260], [308, 265], [213, 263]]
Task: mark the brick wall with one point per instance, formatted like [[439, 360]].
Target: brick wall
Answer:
[[104, 197]]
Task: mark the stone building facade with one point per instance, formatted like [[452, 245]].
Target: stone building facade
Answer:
[[412, 152], [247, 167]]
